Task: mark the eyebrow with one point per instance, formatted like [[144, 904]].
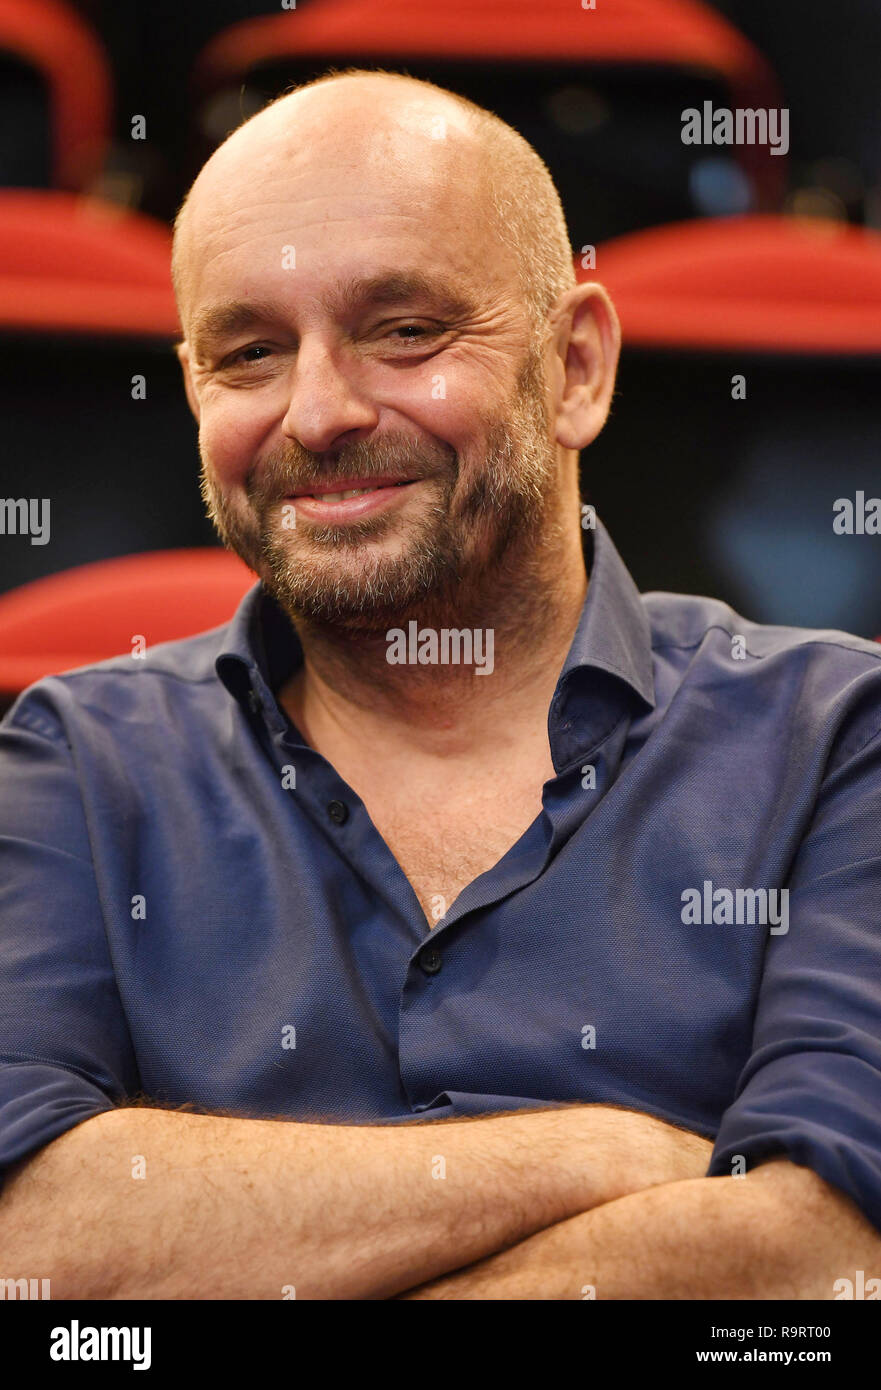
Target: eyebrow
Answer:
[[220, 321], [398, 287]]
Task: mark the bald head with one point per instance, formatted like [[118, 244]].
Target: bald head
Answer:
[[421, 145]]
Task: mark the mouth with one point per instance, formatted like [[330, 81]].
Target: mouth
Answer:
[[352, 498], [352, 487]]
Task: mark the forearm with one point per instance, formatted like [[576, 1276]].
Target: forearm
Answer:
[[235, 1208], [779, 1233]]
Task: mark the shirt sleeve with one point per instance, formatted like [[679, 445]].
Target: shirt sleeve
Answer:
[[811, 1089], [65, 1049]]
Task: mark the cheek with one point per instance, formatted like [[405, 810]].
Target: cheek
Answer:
[[230, 437], [442, 404]]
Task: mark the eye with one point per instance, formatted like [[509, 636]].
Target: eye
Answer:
[[246, 355], [417, 334]]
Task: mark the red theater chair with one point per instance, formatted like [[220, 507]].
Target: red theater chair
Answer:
[[772, 284], [674, 33], [75, 264], [746, 406], [55, 96], [93, 612], [598, 92]]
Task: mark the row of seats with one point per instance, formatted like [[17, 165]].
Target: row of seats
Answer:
[[598, 91], [70, 263]]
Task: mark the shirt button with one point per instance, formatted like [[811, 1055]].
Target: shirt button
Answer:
[[338, 811], [430, 960]]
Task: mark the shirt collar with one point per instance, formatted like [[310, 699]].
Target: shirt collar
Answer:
[[261, 648], [613, 632]]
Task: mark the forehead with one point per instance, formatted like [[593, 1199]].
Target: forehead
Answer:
[[340, 206]]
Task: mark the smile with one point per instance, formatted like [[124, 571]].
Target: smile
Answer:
[[351, 503], [352, 492]]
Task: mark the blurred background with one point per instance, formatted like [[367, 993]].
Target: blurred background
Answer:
[[748, 282]]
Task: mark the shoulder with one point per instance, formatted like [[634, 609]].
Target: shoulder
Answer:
[[819, 684], [145, 689], [693, 621]]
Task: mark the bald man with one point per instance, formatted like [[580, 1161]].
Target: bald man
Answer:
[[445, 926]]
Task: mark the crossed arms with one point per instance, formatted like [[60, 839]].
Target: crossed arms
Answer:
[[140, 1203]]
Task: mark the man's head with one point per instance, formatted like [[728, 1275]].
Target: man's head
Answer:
[[376, 286]]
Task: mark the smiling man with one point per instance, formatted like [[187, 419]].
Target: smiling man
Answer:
[[414, 944]]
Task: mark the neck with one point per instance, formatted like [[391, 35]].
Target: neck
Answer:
[[347, 692]]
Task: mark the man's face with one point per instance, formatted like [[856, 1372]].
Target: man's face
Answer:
[[351, 325]]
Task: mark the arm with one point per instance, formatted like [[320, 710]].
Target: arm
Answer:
[[239, 1208], [780, 1232], [811, 1088]]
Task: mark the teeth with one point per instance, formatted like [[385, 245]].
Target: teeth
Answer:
[[341, 496], [354, 492]]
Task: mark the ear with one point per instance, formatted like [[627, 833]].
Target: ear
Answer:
[[183, 356], [587, 344]]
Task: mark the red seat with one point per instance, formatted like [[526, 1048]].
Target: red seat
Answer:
[[70, 263], [766, 283], [53, 40], [651, 33], [95, 611], [676, 32]]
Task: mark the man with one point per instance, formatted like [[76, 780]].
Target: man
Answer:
[[445, 926]]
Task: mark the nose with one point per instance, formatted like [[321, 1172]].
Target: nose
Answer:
[[324, 403]]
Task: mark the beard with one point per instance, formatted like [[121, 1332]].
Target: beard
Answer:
[[486, 517]]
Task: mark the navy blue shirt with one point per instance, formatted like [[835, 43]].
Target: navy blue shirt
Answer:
[[194, 906]]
